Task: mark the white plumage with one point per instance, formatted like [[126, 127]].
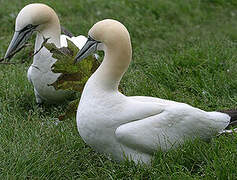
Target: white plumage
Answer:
[[42, 19], [136, 126]]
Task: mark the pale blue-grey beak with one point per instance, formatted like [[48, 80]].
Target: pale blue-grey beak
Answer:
[[89, 48], [19, 40]]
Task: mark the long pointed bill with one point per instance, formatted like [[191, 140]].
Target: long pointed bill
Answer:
[[18, 41], [89, 48]]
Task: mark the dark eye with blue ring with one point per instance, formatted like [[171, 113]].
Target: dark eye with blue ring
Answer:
[[90, 38], [28, 27]]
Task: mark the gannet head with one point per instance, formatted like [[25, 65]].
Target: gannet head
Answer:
[[104, 34], [33, 17]]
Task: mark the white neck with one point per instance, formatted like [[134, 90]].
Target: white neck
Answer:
[[52, 31], [114, 65]]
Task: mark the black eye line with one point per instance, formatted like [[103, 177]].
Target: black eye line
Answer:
[[29, 27], [91, 39]]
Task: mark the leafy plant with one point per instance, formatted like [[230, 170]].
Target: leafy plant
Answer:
[[73, 76]]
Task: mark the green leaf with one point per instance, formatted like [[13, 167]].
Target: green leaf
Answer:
[[73, 76]]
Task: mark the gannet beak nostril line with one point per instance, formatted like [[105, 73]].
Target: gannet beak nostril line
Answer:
[[19, 39], [89, 48]]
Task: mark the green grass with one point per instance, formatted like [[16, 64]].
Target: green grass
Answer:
[[183, 50]]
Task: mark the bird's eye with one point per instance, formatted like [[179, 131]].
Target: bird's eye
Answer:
[[26, 28], [90, 38], [29, 26]]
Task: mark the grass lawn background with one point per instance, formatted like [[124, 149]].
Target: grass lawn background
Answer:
[[183, 50]]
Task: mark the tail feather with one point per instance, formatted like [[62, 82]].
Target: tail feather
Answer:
[[233, 115]]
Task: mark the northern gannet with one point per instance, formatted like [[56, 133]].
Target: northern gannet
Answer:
[[133, 126], [43, 20]]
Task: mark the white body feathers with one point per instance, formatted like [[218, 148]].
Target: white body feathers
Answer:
[[40, 74], [136, 126]]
